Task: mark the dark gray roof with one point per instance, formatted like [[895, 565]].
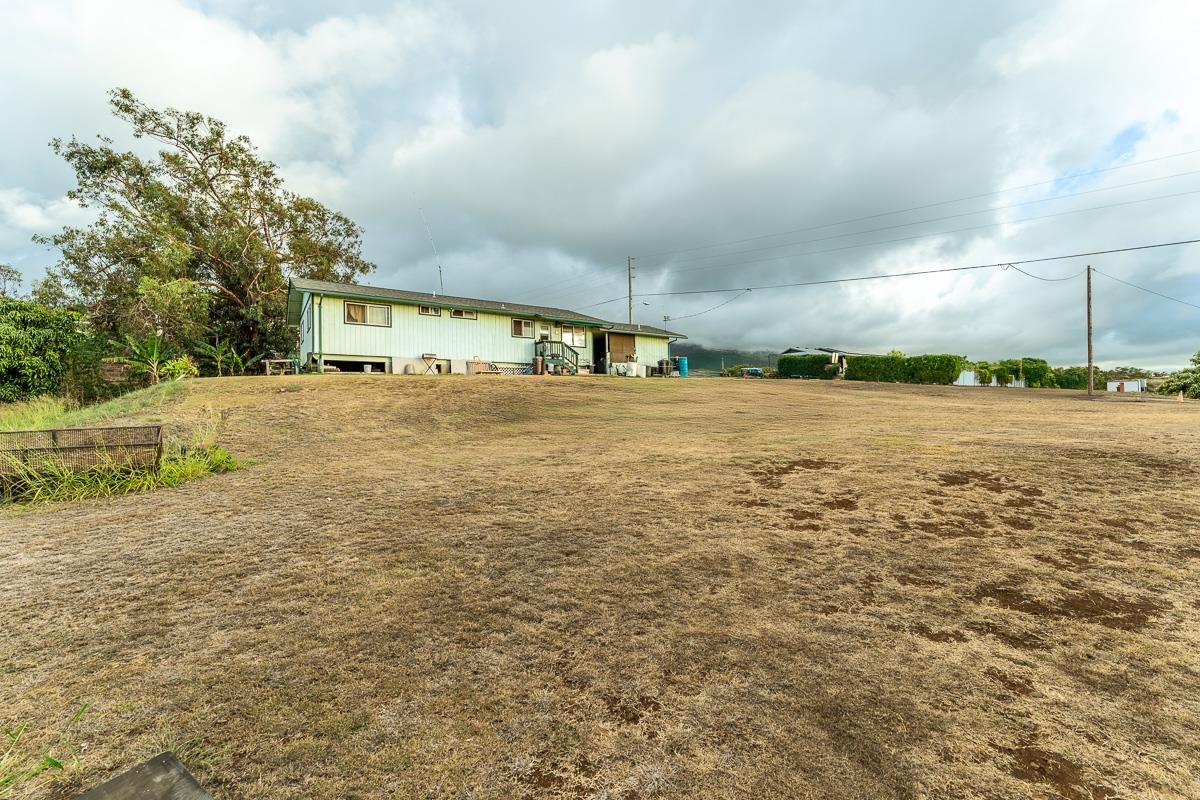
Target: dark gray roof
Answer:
[[301, 286], [826, 350]]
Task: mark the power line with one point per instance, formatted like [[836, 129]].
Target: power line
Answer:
[[581, 287], [946, 217], [927, 235], [1144, 289], [896, 240], [826, 281], [925, 206], [705, 311], [1040, 278]]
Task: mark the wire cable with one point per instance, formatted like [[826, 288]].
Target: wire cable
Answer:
[[854, 279], [946, 217], [1040, 278], [714, 308], [927, 235], [1144, 289], [925, 206]]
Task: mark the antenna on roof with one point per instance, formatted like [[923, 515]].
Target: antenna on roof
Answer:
[[437, 258]]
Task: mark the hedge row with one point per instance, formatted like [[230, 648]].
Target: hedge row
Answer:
[[943, 368], [806, 366]]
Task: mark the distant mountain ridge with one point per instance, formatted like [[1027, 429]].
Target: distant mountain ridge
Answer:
[[706, 359]]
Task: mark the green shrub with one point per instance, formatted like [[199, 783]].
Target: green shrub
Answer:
[[806, 366], [889, 369], [179, 368], [940, 368], [1185, 380], [36, 343]]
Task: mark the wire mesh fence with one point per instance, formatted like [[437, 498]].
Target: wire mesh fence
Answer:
[[80, 449]]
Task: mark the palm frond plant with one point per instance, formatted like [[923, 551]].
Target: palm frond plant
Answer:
[[144, 356]]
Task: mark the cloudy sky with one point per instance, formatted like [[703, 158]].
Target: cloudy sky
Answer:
[[722, 145]]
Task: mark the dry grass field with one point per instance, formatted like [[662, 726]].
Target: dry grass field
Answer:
[[631, 589]]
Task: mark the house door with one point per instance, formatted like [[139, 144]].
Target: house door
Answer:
[[622, 347]]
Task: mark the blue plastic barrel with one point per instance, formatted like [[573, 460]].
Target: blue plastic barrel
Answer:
[[683, 366]]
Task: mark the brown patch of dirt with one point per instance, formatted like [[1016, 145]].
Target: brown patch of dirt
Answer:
[[1018, 523], [1126, 459], [847, 503], [1013, 637], [991, 481], [1035, 765], [949, 530], [630, 710], [1066, 558], [1013, 683], [770, 474], [926, 632], [757, 502], [1087, 605]]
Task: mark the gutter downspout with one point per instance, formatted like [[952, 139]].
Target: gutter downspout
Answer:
[[320, 335]]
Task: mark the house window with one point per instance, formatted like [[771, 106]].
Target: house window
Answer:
[[523, 328], [459, 313], [368, 314], [544, 332], [574, 335], [431, 311]]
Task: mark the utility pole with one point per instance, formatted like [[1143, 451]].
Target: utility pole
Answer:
[[629, 273], [1091, 368]]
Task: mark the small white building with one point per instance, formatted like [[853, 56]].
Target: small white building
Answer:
[[367, 328], [1127, 385], [969, 377]]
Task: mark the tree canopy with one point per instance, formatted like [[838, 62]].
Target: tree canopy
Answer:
[[207, 216], [1185, 380], [36, 344]]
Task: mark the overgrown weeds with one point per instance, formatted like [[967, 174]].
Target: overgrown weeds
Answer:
[[52, 481], [18, 767]]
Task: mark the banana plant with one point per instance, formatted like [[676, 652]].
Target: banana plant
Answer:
[[144, 356], [219, 355]]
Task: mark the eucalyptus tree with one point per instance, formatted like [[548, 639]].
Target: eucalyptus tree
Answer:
[[205, 210]]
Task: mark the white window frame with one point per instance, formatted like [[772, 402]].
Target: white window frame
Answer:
[[526, 328], [463, 313], [367, 314], [575, 331], [429, 311]]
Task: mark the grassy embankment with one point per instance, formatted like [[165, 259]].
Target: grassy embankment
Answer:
[[187, 455]]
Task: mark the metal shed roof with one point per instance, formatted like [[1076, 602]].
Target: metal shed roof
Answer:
[[298, 287]]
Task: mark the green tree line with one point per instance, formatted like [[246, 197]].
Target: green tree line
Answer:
[[184, 268]]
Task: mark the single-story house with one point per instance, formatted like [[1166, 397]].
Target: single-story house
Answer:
[[836, 355], [368, 328]]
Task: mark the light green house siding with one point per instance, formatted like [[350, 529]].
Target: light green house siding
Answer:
[[652, 349], [412, 334], [409, 335]]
